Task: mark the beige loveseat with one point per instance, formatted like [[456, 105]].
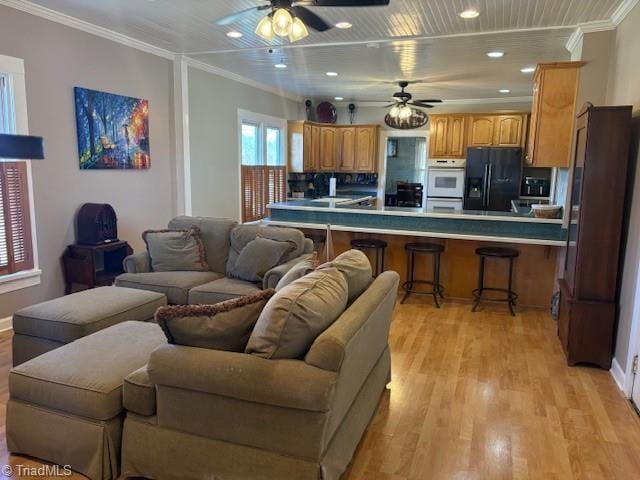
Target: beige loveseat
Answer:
[[197, 413], [223, 239]]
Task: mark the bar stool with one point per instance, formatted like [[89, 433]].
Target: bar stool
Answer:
[[499, 253], [376, 245], [429, 249]]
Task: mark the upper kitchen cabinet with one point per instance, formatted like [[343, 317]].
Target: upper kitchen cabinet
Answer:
[[553, 113], [447, 136], [481, 131], [497, 130], [337, 148]]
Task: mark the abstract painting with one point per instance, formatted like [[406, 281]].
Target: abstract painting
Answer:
[[113, 131]]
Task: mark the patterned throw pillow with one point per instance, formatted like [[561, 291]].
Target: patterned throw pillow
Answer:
[[223, 326], [176, 250]]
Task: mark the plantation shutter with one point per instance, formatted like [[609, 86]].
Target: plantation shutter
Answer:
[[15, 225], [261, 185]]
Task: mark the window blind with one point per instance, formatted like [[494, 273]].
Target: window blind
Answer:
[[262, 185], [15, 225]]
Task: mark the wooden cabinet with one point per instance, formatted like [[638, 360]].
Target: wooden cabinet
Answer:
[[447, 136], [347, 149], [553, 113], [450, 135], [590, 286], [337, 148]]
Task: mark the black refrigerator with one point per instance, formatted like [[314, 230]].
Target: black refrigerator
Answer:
[[492, 178]]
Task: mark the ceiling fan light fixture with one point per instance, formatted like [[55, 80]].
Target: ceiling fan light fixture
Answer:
[[282, 22], [298, 30], [395, 111], [405, 112], [265, 29]]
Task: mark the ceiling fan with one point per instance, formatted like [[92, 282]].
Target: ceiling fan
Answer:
[[404, 113], [289, 18]]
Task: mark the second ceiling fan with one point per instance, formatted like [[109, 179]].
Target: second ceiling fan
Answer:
[[289, 18]]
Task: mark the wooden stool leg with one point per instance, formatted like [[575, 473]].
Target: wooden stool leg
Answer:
[[409, 281], [510, 302], [439, 286], [480, 284], [435, 280]]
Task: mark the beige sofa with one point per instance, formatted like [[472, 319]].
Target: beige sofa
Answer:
[[223, 240], [197, 413]]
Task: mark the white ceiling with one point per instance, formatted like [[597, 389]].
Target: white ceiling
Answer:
[[453, 66]]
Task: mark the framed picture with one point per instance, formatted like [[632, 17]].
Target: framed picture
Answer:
[[113, 131], [392, 147]]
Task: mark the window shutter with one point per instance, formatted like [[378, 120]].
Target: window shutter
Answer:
[[15, 225], [262, 185]]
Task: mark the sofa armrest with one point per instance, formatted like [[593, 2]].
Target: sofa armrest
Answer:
[[309, 247], [282, 383], [273, 276], [137, 263]]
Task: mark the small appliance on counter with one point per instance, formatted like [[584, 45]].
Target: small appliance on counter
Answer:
[[445, 184], [537, 182], [492, 178], [409, 195]]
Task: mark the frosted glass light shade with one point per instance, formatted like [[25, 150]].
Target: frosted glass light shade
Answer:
[[298, 30], [265, 29], [282, 21], [395, 111]]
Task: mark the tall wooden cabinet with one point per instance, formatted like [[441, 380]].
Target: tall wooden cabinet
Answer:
[[589, 287], [340, 148], [555, 87]]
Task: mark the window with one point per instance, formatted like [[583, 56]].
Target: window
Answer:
[[263, 165], [16, 241]]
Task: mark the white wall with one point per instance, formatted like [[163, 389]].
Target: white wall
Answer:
[[624, 89], [213, 126], [58, 58]]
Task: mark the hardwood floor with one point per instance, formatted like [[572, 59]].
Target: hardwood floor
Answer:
[[481, 396]]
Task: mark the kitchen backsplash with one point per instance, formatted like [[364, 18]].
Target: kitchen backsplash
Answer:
[[314, 185]]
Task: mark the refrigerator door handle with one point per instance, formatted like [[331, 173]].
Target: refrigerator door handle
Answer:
[[485, 187], [489, 175]]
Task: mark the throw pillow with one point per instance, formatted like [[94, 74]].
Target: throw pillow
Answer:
[[259, 256], [297, 314], [176, 250], [223, 326], [299, 270], [356, 268]]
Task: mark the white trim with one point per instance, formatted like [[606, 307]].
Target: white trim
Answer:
[[385, 135], [14, 70], [622, 11], [205, 67], [73, 22], [634, 341], [183, 138], [416, 233], [618, 375], [20, 280], [588, 27], [6, 324]]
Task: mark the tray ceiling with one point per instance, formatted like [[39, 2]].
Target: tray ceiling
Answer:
[[454, 67]]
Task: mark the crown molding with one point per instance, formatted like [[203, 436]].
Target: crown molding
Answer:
[[73, 22], [205, 67], [622, 11]]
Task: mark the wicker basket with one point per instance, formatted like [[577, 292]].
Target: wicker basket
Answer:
[[546, 211]]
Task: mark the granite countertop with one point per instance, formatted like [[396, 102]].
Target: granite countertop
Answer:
[[353, 207]]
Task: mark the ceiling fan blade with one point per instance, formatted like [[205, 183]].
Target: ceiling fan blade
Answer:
[[350, 3], [429, 101], [420, 105], [310, 19], [390, 105], [234, 17]]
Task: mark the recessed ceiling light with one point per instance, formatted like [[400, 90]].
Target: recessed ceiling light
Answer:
[[234, 34], [495, 54], [280, 65], [504, 90], [343, 25], [528, 69], [470, 13], [332, 74], [338, 99]]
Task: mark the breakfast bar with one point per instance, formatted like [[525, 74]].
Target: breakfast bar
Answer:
[[460, 232]]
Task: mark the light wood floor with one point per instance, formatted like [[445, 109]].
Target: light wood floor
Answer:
[[481, 396]]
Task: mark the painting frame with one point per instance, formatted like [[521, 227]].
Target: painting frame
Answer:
[[112, 131]]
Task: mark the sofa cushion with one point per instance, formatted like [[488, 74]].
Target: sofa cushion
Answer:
[[215, 234], [298, 271], [258, 257], [356, 268], [175, 285], [85, 377], [223, 326], [74, 316], [297, 314], [139, 393], [220, 290], [243, 234], [176, 250]]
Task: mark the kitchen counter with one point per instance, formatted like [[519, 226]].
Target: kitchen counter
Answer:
[[507, 227]]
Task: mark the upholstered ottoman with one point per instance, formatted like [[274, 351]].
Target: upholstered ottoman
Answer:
[[65, 406], [48, 325]]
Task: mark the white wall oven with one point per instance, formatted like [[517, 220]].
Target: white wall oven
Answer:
[[445, 184]]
